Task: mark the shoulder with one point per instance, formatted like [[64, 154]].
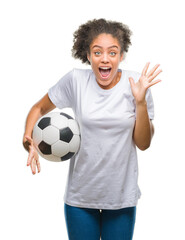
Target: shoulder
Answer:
[[80, 77], [75, 75], [81, 72]]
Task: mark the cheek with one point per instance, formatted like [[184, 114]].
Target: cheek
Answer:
[[94, 63], [116, 62]]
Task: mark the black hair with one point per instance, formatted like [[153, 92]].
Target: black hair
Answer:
[[87, 32]]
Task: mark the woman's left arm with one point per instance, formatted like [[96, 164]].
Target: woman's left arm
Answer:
[[144, 129]]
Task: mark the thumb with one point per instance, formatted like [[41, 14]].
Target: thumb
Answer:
[[131, 80]]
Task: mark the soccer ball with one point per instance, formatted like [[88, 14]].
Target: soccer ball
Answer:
[[56, 136]]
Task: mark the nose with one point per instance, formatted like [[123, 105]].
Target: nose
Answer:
[[105, 58]]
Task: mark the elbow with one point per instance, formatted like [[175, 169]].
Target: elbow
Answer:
[[143, 147]]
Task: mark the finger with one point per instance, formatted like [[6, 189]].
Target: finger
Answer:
[[145, 69], [154, 82], [153, 70], [154, 75], [131, 80], [30, 157], [33, 166], [38, 166]]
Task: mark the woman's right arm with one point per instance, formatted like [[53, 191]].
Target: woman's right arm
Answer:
[[38, 110]]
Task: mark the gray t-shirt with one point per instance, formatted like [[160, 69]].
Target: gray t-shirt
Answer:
[[104, 172]]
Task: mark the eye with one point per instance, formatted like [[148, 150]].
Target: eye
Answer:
[[97, 53], [112, 53]]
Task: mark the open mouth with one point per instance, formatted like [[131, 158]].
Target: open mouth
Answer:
[[104, 72]]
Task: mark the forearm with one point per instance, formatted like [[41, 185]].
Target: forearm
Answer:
[[38, 110], [32, 118], [143, 130]]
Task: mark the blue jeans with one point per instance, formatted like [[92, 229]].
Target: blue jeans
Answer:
[[90, 224]]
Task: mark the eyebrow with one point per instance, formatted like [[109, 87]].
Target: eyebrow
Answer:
[[113, 46]]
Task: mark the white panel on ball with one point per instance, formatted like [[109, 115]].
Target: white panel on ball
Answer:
[[37, 135], [74, 143], [73, 125], [50, 134], [51, 157], [59, 121], [60, 148]]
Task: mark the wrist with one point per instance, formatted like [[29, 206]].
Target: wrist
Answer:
[[26, 145], [25, 142], [141, 103]]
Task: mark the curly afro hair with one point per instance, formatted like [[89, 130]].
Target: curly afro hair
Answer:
[[87, 32]]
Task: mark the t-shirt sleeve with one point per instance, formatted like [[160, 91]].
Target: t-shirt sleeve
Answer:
[[61, 94], [150, 104]]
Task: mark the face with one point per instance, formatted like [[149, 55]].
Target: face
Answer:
[[105, 58]]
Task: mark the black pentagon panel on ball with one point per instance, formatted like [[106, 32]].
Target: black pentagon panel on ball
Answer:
[[44, 148], [67, 156], [66, 115], [66, 134], [44, 122]]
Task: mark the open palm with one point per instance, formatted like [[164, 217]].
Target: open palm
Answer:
[[145, 81]]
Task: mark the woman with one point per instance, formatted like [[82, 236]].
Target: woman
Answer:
[[114, 109]]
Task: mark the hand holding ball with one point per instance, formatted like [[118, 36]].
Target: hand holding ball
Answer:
[[56, 136]]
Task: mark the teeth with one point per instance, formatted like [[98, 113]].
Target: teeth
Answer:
[[105, 68]]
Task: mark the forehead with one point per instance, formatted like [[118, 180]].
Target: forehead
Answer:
[[105, 40]]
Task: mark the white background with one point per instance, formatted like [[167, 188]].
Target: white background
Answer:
[[35, 51]]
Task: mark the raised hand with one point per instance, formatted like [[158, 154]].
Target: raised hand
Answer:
[[145, 81], [33, 158]]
